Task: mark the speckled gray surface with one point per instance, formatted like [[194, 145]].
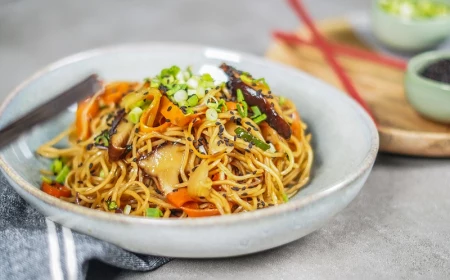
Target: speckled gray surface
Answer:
[[397, 228]]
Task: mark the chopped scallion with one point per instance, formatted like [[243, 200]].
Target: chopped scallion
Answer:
[[239, 95], [192, 100], [102, 174], [112, 205], [211, 114], [260, 118], [180, 96], [285, 197], [222, 106], [127, 209], [153, 212], [46, 179], [135, 115], [56, 166], [192, 83], [242, 109], [207, 77], [61, 177], [256, 111], [248, 137], [281, 100], [246, 79]]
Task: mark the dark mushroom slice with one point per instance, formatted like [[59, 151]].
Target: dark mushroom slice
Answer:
[[119, 135], [257, 98], [164, 165]]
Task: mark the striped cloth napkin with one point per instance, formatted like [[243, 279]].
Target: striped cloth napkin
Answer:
[[33, 247]]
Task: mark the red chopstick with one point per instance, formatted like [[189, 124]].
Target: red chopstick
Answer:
[[291, 38], [329, 54]]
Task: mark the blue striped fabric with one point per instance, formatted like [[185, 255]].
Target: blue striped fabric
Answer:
[[33, 247]]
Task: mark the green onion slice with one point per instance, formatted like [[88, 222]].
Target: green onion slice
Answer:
[[153, 212], [248, 137]]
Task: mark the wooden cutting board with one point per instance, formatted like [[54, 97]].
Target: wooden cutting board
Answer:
[[402, 130]]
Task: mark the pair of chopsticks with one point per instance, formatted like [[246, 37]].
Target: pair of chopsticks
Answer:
[[330, 50], [44, 112]]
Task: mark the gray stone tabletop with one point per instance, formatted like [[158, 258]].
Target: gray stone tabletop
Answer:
[[397, 228]]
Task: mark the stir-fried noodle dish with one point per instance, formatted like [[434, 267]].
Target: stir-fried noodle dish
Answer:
[[181, 145]]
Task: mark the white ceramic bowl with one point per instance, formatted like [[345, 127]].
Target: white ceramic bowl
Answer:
[[345, 146]]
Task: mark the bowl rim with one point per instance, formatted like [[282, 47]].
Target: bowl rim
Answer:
[[419, 61], [413, 21], [291, 206]]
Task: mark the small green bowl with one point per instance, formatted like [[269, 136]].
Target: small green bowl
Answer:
[[409, 35], [430, 98]]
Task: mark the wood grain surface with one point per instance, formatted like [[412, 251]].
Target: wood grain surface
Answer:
[[402, 130]]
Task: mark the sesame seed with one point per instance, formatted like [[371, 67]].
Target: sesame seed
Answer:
[[244, 194], [169, 108], [218, 123], [244, 188], [189, 139], [175, 190], [80, 182], [249, 129], [134, 159], [235, 188], [136, 130], [247, 150], [271, 204], [91, 165], [235, 138], [250, 145], [80, 165], [89, 146]]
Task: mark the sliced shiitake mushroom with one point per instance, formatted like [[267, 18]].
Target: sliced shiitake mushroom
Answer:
[[119, 135], [256, 98], [163, 163]]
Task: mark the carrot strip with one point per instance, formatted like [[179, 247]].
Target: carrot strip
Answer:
[[56, 189], [147, 122], [179, 198], [344, 50], [173, 113], [193, 211], [87, 110], [231, 105], [296, 126], [297, 5], [115, 91]]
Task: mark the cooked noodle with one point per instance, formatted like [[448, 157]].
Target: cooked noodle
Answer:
[[243, 177]]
